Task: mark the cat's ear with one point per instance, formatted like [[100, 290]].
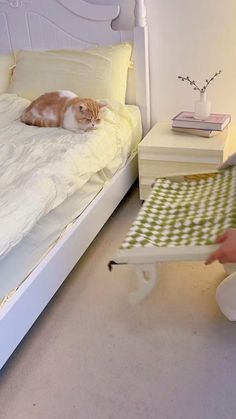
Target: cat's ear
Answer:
[[101, 104], [81, 106]]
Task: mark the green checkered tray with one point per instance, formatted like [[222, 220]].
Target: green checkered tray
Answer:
[[182, 218]]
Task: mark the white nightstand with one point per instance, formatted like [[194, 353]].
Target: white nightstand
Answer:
[[164, 152]]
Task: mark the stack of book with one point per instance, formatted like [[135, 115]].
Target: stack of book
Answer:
[[213, 125]]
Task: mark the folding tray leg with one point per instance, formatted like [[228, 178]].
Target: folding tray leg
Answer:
[[147, 277]]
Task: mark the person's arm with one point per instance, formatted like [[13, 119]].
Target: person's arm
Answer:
[[226, 252]]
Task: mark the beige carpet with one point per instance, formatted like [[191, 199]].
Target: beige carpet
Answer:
[[92, 355]]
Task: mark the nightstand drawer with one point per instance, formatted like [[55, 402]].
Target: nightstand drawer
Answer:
[[164, 152], [155, 168]]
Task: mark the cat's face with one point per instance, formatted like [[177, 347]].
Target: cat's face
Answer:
[[88, 114]]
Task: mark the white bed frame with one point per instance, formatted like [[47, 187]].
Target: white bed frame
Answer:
[[50, 24]]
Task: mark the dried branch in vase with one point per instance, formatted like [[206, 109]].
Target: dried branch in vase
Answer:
[[195, 86]]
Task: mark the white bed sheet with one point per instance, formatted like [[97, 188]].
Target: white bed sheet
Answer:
[[41, 167], [25, 256]]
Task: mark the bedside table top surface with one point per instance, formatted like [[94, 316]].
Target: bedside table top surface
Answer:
[[161, 136]]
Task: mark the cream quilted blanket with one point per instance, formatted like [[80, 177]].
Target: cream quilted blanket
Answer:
[[41, 167]]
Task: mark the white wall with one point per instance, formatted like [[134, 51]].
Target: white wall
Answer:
[[187, 37]]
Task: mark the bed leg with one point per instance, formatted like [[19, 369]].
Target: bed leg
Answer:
[[147, 277]]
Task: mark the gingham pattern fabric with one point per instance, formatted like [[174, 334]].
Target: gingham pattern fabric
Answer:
[[191, 213]]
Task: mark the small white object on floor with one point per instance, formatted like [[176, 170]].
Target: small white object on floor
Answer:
[[226, 296]]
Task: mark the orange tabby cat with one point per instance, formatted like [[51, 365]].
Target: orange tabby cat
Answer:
[[63, 109]]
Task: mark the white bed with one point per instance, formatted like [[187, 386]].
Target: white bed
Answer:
[[38, 24]]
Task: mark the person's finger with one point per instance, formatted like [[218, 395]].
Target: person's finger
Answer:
[[219, 254], [211, 258]]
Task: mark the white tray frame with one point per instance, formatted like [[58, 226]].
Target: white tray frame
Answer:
[[146, 259], [61, 20]]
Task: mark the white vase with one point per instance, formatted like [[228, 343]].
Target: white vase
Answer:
[[202, 107]]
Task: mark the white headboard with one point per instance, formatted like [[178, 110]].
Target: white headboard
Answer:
[[51, 24]]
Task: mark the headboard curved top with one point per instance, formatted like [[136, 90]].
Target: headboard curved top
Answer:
[[76, 24], [91, 11]]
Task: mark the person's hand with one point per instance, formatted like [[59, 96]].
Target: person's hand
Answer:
[[226, 252]]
